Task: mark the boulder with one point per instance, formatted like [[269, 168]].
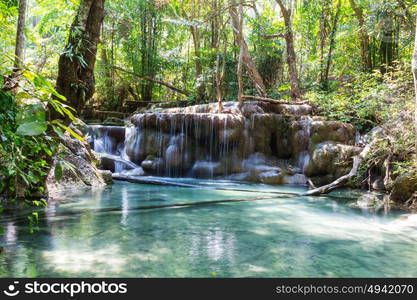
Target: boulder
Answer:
[[403, 187], [114, 163], [335, 131], [206, 169], [292, 109], [106, 175], [269, 177], [83, 171], [153, 165], [330, 158]]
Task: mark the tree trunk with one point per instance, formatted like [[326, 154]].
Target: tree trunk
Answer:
[[195, 32], [244, 56], [219, 96], [218, 81], [332, 44], [414, 70], [291, 56], [108, 72], [325, 8], [20, 35], [364, 37], [76, 65], [149, 31]]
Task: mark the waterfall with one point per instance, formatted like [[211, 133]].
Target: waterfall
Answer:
[[304, 154], [256, 144]]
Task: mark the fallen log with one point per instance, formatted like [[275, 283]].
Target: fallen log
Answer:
[[341, 181], [273, 101], [147, 78], [153, 181]]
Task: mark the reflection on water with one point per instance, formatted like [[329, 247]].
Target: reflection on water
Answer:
[[106, 232]]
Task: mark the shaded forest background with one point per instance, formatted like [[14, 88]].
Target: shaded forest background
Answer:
[[347, 54]]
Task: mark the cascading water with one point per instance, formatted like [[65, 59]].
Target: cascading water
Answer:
[[304, 155], [260, 143]]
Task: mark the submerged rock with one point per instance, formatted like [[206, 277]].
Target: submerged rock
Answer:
[[295, 179]]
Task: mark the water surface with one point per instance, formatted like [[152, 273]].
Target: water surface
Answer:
[[135, 230]]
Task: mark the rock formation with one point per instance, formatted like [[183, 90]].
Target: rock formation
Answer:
[[262, 142]]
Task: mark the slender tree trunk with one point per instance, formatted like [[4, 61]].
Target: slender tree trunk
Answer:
[[107, 66], [20, 35], [332, 43], [147, 67], [291, 56], [244, 56], [364, 37], [218, 80], [325, 8], [76, 65], [239, 78], [414, 70], [195, 32]]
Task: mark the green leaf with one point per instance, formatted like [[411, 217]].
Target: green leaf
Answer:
[[31, 113], [23, 95], [69, 166], [31, 120], [58, 131], [32, 128], [58, 171], [66, 128]]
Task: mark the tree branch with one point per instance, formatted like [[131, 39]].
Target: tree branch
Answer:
[[274, 36], [274, 101], [153, 80]]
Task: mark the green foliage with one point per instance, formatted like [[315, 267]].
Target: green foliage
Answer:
[[31, 120], [27, 144], [24, 152], [367, 99], [28, 141]]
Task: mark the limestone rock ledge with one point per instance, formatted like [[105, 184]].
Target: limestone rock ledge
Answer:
[[84, 172]]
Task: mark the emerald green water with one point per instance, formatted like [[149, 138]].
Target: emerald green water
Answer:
[[108, 233]]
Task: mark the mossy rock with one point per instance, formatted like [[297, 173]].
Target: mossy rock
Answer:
[[403, 187], [332, 131]]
